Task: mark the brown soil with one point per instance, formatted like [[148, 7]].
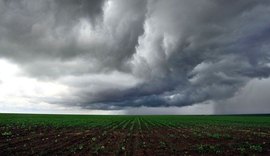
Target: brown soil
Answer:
[[138, 141]]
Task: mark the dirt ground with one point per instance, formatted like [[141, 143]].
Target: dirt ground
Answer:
[[148, 141]]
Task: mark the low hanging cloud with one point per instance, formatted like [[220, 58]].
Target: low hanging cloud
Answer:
[[113, 54]]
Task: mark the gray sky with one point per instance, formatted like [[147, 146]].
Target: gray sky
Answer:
[[135, 56]]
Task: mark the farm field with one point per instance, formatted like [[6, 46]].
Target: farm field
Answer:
[[26, 134]]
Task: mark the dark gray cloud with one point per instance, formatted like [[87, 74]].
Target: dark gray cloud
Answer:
[[124, 53]]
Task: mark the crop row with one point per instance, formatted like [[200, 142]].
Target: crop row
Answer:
[[130, 122]]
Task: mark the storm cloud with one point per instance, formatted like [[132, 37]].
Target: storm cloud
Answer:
[[112, 54]]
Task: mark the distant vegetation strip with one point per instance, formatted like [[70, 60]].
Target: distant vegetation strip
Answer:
[[133, 121]]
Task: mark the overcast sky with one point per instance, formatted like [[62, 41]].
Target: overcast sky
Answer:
[[135, 56]]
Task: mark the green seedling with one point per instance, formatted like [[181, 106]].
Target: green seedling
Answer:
[[256, 148], [6, 133], [162, 144], [80, 147], [94, 139], [208, 149], [242, 150]]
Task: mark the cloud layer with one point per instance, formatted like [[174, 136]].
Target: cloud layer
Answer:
[[113, 54]]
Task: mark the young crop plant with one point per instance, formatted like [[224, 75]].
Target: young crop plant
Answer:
[[242, 150], [218, 136], [98, 149], [215, 135], [7, 133], [94, 139], [80, 147], [227, 136], [143, 144], [249, 147], [126, 124], [104, 133], [145, 124], [256, 148], [122, 147], [76, 149], [205, 148], [119, 125], [111, 125], [132, 126], [162, 144], [139, 124]]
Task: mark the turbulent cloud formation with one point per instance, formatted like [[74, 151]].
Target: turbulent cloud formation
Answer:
[[111, 54]]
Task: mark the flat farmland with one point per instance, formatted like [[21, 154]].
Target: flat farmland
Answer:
[[29, 134]]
